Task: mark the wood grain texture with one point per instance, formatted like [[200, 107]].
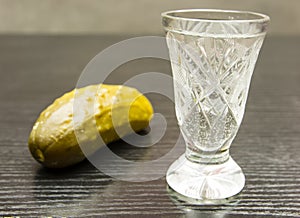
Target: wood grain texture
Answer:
[[37, 69]]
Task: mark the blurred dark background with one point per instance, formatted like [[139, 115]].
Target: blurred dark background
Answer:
[[127, 16]]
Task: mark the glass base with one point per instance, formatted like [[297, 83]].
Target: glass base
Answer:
[[186, 202], [205, 181]]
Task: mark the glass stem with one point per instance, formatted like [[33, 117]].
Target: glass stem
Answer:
[[206, 157]]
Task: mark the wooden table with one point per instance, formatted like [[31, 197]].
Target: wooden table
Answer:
[[37, 69]]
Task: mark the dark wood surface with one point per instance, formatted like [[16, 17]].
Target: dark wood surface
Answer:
[[34, 70]]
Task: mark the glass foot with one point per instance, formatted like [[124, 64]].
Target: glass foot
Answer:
[[183, 201], [205, 181]]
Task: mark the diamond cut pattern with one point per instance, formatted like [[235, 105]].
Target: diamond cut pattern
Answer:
[[212, 77]]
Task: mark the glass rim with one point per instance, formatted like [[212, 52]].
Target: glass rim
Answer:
[[260, 17]]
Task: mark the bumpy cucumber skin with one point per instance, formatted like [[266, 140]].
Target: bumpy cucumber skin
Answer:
[[52, 141]]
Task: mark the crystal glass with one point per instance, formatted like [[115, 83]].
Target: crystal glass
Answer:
[[213, 55]]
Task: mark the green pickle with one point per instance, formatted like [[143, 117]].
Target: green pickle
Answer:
[[52, 141]]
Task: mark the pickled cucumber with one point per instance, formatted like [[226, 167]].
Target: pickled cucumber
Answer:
[[52, 141]]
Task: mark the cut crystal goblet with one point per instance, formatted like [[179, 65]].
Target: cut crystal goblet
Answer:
[[213, 55]]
